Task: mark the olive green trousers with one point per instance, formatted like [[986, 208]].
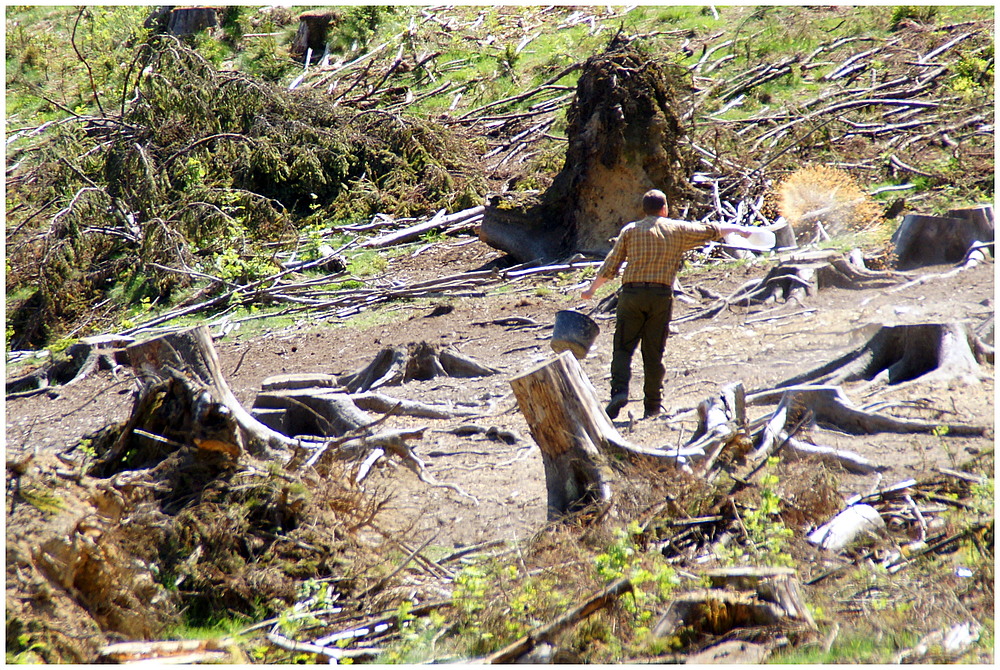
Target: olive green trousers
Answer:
[[643, 316]]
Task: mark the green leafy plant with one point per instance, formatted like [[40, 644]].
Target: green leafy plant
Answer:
[[765, 534]]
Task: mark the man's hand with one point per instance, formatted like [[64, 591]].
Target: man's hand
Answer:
[[594, 285]]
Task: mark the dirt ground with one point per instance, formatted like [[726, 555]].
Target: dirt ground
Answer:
[[507, 480]]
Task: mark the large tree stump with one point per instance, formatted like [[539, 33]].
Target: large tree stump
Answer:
[[190, 20], [933, 240], [190, 356], [896, 354], [574, 435], [569, 426], [623, 135]]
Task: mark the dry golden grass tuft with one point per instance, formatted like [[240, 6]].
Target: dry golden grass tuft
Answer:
[[818, 194]]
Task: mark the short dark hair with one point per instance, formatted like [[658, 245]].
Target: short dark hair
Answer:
[[653, 201]]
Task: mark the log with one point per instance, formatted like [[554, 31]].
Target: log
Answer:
[[191, 353], [844, 529], [439, 220]]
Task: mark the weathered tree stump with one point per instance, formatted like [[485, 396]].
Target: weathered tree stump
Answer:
[[623, 135], [184, 366], [78, 362], [190, 20], [933, 240], [574, 435], [569, 426], [739, 597], [311, 35], [896, 354]]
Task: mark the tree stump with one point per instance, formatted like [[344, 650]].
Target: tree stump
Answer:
[[190, 20], [569, 426], [574, 435], [738, 597], [623, 136], [934, 240], [393, 366], [896, 354], [189, 355], [311, 35]]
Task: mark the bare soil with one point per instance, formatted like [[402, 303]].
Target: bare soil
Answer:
[[507, 480]]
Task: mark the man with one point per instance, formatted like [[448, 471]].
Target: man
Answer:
[[654, 248]]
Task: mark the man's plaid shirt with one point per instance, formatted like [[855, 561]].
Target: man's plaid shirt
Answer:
[[654, 248]]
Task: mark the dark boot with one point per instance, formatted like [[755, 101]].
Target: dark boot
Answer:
[[651, 409], [618, 400]]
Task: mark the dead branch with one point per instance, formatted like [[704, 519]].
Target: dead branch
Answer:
[[549, 631]]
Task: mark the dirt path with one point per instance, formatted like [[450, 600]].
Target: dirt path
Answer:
[[507, 479]]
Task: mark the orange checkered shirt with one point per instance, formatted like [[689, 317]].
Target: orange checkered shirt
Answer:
[[654, 248]]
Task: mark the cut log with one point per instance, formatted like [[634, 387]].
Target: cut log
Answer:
[[190, 354], [897, 354], [739, 597], [844, 529], [933, 240]]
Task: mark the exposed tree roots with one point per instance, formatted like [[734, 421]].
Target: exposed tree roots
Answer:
[[393, 366], [897, 354]]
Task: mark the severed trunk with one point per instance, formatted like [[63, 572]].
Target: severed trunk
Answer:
[[569, 426], [184, 366]]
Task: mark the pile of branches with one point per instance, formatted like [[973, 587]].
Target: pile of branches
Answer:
[[199, 169]]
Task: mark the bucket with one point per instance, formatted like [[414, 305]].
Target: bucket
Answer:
[[573, 331]]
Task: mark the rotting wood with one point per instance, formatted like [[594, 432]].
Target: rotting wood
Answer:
[[191, 352]]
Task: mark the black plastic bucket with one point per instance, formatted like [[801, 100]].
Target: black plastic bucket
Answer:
[[573, 331]]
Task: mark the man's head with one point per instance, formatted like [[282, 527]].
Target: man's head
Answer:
[[653, 202]]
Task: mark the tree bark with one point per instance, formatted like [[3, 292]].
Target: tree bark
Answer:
[[191, 20], [190, 353], [311, 34]]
